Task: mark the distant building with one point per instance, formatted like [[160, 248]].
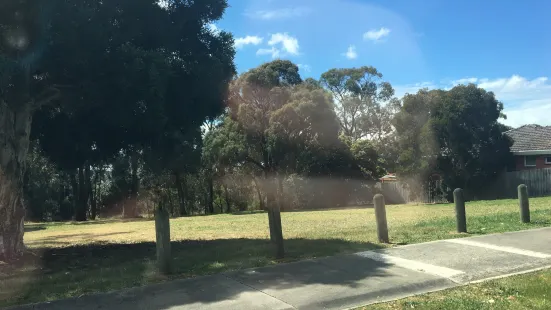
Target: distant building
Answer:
[[391, 177], [531, 146]]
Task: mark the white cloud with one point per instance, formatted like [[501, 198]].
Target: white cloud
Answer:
[[305, 67], [376, 34], [253, 40], [517, 87], [532, 112], [274, 52], [351, 52], [526, 101], [281, 44], [288, 43], [279, 13], [401, 90]]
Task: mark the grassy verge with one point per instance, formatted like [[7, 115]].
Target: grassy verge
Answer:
[[71, 259], [529, 291]]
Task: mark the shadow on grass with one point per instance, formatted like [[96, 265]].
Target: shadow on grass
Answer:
[[34, 227], [64, 240], [355, 207], [40, 226], [76, 270]]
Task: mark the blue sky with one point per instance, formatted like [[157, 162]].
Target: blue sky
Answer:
[[503, 46]]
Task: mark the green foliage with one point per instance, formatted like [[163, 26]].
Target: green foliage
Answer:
[[366, 157], [453, 133], [117, 77], [132, 82], [281, 126], [359, 94], [45, 189], [224, 144], [278, 73]]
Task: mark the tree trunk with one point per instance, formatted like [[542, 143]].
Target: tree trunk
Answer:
[[88, 184], [80, 215], [211, 195], [280, 194], [180, 186], [276, 231], [270, 201], [130, 207], [92, 188], [227, 198], [74, 187], [259, 194], [15, 127], [97, 190], [162, 233]]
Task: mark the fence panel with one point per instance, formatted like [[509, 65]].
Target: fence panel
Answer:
[[537, 180], [395, 193], [398, 193]]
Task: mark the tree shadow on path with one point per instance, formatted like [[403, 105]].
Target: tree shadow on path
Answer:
[[79, 270]]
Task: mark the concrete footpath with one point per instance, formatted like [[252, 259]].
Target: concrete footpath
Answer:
[[339, 282]]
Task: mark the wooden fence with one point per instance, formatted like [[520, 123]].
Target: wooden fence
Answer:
[[537, 180], [505, 187], [398, 193]]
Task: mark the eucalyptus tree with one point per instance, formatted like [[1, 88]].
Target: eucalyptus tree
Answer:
[[121, 74]]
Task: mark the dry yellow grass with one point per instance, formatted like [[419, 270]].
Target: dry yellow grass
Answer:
[[349, 224], [77, 258]]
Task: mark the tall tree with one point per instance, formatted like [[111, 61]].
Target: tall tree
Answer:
[[134, 69], [23, 89], [363, 102], [277, 126], [456, 134]]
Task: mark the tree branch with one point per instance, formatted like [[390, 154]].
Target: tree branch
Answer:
[[252, 161], [46, 97]]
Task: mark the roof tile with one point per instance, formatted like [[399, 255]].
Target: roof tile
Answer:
[[530, 138]]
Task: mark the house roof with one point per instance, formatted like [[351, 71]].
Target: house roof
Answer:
[[389, 176], [530, 138]]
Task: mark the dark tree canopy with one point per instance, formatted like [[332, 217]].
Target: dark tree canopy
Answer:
[[453, 133], [147, 75], [104, 76]]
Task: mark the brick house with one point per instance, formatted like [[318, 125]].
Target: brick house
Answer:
[[531, 146]]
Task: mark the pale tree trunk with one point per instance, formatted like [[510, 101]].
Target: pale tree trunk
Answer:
[[270, 199], [130, 209], [74, 187], [281, 195], [82, 204], [181, 187], [15, 127], [90, 190], [276, 231], [211, 194], [227, 198], [259, 194]]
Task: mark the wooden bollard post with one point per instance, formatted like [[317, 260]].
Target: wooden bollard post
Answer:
[[460, 216], [524, 203], [380, 215], [162, 232]]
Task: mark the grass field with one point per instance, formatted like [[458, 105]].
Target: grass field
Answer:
[[71, 259], [529, 291]]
